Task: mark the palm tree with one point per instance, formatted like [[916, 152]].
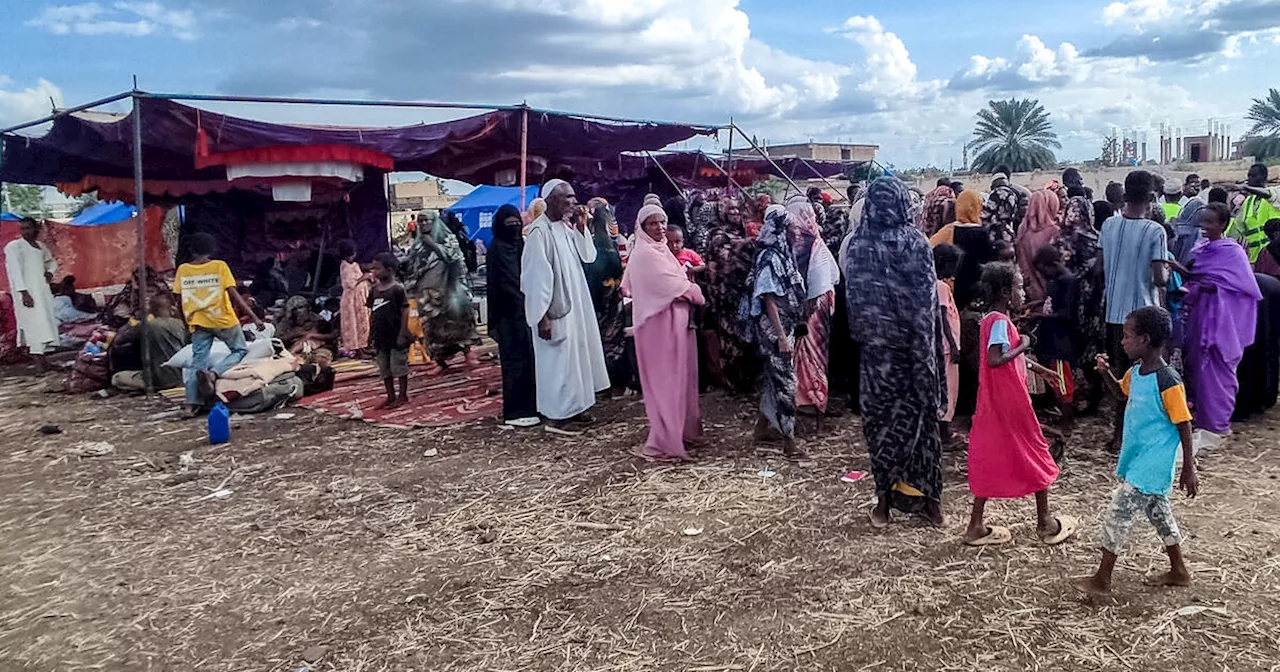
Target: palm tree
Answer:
[[1263, 140], [1016, 133]]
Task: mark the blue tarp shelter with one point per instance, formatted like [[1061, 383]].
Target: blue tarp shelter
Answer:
[[107, 212], [476, 208], [8, 217]]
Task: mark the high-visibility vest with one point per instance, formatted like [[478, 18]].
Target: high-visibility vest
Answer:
[[1248, 229], [1171, 211]]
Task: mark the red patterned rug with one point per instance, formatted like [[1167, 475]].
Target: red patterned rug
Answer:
[[466, 392]]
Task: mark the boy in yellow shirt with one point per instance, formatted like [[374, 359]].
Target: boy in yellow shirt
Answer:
[[208, 292]]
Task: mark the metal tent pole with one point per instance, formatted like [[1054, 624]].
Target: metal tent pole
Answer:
[[822, 177], [71, 110], [765, 156], [144, 301], [721, 169], [524, 156], [679, 191], [729, 160]]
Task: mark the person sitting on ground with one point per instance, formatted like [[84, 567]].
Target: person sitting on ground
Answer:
[[209, 303], [1008, 454], [1157, 421], [299, 328], [81, 302], [389, 329], [317, 374], [162, 334]]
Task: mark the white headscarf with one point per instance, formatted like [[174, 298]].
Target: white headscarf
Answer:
[[551, 186]]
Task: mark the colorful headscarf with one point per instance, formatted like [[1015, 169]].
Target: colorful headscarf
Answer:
[[775, 265], [1039, 228], [969, 207], [939, 210], [606, 271]]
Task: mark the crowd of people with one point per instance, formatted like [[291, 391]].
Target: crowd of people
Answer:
[[920, 308], [1017, 309]]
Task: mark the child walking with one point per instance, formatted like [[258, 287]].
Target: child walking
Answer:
[[1008, 454], [389, 329], [1156, 422], [209, 303], [946, 261]]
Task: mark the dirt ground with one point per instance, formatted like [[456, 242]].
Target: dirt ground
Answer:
[[312, 543]]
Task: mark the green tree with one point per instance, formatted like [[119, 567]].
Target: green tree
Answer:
[[1016, 133], [1263, 139], [24, 199], [83, 203]]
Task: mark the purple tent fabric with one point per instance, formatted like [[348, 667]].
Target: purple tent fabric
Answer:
[[473, 149]]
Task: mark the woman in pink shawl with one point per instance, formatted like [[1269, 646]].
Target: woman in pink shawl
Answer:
[[666, 347], [818, 267], [1222, 311], [1039, 228]]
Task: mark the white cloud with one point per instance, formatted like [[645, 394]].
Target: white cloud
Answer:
[[19, 105], [1034, 66], [888, 67], [130, 19]]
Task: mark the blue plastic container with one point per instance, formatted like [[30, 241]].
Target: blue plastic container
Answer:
[[219, 424]]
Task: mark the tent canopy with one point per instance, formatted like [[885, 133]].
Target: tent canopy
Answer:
[[107, 212], [476, 208], [184, 148]]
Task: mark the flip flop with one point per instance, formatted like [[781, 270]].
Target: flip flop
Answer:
[[876, 524], [1067, 527], [995, 536]]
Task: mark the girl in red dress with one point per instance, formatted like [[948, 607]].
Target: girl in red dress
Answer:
[[1008, 454]]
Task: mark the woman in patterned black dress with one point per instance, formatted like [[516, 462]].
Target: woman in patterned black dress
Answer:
[[893, 313]]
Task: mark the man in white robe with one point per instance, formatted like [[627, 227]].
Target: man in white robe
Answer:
[[30, 267], [567, 352]]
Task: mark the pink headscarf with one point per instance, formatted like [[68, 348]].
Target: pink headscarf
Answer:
[[653, 278], [1039, 228], [815, 261]]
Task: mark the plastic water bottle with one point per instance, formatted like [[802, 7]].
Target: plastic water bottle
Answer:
[[219, 424]]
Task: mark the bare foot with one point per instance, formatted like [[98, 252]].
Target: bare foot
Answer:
[[385, 405], [1089, 585], [1168, 579]]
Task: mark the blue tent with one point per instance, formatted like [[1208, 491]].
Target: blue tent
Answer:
[[8, 217], [106, 212], [476, 208]]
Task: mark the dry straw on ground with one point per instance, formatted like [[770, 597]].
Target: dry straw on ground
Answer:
[[340, 543]]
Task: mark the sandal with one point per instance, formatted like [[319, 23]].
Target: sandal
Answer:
[[995, 536], [1067, 527]]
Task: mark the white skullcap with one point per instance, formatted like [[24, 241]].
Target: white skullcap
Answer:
[[551, 186]]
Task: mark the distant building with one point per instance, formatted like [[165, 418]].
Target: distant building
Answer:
[[815, 151], [424, 195]]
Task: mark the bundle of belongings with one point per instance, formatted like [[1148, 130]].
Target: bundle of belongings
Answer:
[[269, 376]]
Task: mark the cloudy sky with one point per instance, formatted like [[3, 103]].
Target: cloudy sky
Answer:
[[906, 75]]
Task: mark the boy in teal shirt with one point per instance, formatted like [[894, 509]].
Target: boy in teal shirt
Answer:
[[1156, 422]]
